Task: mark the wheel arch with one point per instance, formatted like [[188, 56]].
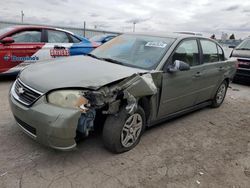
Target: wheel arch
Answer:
[[227, 80], [145, 104]]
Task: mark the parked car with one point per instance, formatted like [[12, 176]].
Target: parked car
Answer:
[[24, 45], [131, 82], [242, 53], [103, 38]]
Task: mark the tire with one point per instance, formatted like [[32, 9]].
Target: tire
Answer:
[[220, 95], [118, 127]]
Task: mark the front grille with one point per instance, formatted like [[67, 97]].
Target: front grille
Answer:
[[244, 63], [24, 93], [25, 126], [243, 72]]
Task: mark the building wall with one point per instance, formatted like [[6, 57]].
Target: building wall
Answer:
[[79, 31]]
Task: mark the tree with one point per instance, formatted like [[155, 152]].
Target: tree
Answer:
[[213, 36], [232, 37]]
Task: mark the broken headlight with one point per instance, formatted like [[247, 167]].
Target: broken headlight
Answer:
[[69, 99]]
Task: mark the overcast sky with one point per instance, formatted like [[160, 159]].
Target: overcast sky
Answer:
[[208, 16]]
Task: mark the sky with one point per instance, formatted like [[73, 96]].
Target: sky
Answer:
[[205, 16]]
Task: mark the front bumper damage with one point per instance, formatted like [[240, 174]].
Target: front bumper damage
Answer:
[[52, 126], [56, 126]]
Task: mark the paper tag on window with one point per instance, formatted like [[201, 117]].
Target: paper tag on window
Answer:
[[156, 44]]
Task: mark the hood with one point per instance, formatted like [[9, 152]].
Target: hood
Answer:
[[241, 53], [74, 71]]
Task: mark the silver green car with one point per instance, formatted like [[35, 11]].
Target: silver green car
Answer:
[[129, 83]]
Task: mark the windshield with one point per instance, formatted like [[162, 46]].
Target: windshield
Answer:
[[138, 51], [245, 45], [5, 30]]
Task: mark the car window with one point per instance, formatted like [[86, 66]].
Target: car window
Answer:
[[221, 53], [74, 39], [209, 50], [188, 52], [57, 37], [108, 39], [27, 36], [245, 45]]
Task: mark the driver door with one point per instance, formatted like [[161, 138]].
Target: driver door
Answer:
[[179, 89]]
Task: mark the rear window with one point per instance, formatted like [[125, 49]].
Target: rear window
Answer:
[[210, 53], [57, 37], [74, 39]]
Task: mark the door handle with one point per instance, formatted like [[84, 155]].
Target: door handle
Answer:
[[198, 74], [59, 47]]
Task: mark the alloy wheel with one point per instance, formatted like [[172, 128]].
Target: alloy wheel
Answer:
[[131, 130]]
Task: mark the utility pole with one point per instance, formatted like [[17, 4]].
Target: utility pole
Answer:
[[134, 22], [84, 28], [22, 15]]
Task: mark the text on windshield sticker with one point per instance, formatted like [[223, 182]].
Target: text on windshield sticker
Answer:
[[156, 44]]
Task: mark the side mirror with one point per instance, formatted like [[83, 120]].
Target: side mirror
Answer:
[[178, 66], [231, 46], [7, 40]]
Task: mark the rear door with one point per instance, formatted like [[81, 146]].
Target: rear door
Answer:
[[180, 89], [58, 43], [213, 69], [22, 52]]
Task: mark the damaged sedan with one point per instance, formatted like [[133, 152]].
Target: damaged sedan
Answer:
[[131, 82]]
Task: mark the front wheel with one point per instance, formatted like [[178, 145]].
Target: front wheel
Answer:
[[220, 95], [123, 131]]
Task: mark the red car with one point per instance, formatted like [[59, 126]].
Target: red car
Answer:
[[24, 45]]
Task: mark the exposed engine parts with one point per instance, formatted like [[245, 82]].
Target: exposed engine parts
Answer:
[[128, 91]]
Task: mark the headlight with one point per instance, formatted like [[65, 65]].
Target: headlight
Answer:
[[69, 99]]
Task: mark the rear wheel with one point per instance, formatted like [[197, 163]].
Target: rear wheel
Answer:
[[123, 131], [220, 95]]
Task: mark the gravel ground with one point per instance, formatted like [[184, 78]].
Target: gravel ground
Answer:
[[207, 148]]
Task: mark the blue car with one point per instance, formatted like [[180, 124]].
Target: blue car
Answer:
[[103, 38]]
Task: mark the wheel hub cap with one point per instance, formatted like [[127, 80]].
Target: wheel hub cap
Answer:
[[131, 130], [221, 94]]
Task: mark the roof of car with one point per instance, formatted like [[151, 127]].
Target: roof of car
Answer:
[[39, 27], [166, 34]]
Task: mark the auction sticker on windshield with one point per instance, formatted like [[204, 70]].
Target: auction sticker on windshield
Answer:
[[156, 44]]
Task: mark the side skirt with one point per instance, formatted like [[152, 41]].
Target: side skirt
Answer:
[[180, 113]]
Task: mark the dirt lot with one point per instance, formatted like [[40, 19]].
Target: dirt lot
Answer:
[[208, 148]]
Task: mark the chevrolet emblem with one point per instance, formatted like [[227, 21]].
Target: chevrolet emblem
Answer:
[[21, 90]]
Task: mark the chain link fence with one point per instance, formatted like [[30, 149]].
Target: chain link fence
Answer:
[[77, 30]]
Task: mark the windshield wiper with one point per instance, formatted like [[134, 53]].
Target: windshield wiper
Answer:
[[106, 59], [112, 61], [242, 48], [94, 56]]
